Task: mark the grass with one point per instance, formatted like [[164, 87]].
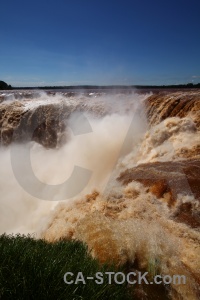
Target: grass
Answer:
[[34, 269], [153, 267]]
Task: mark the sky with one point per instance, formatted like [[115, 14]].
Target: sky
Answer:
[[45, 42]]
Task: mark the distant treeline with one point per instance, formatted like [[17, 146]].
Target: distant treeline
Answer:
[[104, 87], [5, 86]]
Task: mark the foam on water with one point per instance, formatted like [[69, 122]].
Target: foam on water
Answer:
[[125, 223]]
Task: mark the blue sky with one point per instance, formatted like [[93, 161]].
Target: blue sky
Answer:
[[99, 42]]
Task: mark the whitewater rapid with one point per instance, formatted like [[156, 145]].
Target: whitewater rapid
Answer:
[[141, 154], [97, 151]]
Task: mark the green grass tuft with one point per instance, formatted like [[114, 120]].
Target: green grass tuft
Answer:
[[34, 269]]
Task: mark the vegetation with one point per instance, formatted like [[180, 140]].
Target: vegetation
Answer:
[[107, 87], [4, 86], [34, 269]]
